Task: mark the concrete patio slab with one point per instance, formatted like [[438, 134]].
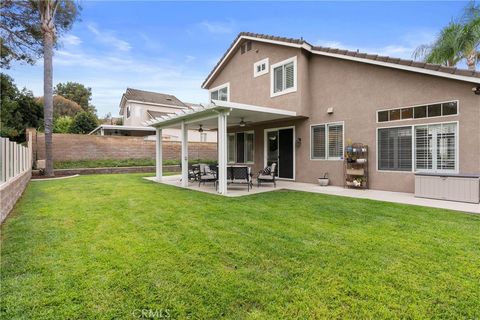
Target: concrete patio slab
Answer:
[[396, 197]]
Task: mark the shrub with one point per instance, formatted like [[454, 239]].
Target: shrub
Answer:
[[84, 122], [62, 124]]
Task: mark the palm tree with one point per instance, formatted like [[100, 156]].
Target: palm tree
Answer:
[[66, 11], [456, 42]]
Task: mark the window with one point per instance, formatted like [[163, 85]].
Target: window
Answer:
[[241, 147], [260, 68], [221, 93], [327, 141], [418, 112], [203, 137], [436, 147], [128, 112], [395, 149], [284, 77]]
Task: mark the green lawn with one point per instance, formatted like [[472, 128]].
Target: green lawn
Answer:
[[106, 246]]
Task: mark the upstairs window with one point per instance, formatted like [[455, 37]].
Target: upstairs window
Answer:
[[260, 68], [284, 77], [220, 93]]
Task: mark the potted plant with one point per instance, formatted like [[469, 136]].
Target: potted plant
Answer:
[[323, 181]]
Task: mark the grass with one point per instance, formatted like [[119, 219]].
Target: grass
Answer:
[[110, 163], [106, 246]]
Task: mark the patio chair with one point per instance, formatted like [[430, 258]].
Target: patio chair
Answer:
[[206, 175], [241, 175], [267, 175], [193, 172]]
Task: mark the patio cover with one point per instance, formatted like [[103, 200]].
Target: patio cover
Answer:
[[218, 115]]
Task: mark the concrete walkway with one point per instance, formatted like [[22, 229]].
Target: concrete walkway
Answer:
[[397, 197]]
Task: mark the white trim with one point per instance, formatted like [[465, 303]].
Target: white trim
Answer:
[[260, 73], [457, 148], [272, 77], [421, 105], [217, 88], [412, 127], [234, 134], [309, 48], [399, 66], [326, 124], [265, 160]]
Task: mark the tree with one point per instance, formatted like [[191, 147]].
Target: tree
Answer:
[[76, 92], [459, 40], [84, 122], [63, 107], [54, 15], [62, 124], [19, 110]]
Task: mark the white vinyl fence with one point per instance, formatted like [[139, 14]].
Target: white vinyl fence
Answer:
[[15, 159]]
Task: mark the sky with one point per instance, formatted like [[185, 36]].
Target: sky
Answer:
[[170, 47]]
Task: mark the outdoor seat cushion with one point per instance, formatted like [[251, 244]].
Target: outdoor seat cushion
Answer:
[[267, 171], [207, 177], [265, 177]]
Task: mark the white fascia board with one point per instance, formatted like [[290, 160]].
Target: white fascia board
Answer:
[[309, 48], [248, 107], [399, 66]]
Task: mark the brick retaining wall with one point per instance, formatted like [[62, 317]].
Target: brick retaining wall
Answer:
[[11, 191], [86, 147]]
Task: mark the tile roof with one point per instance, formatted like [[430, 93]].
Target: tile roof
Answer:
[[152, 97], [374, 57]]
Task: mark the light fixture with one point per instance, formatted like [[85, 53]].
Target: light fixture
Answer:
[[242, 123], [200, 129], [476, 90]]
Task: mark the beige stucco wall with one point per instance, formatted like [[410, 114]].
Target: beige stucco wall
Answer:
[[355, 91]]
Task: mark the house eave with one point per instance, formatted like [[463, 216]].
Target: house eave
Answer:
[[306, 46]]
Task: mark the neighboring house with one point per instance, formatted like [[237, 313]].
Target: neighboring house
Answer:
[[286, 101], [138, 106]]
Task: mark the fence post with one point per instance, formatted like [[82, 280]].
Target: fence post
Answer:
[[2, 159]]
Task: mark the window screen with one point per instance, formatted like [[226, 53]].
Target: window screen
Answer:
[[318, 142], [395, 149]]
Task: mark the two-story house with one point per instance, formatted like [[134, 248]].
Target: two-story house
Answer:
[[138, 106], [286, 101]]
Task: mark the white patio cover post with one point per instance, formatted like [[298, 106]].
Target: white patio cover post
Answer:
[[158, 153], [184, 135], [222, 153]]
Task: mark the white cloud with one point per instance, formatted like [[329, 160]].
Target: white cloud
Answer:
[[218, 27], [403, 48], [108, 38], [70, 39]]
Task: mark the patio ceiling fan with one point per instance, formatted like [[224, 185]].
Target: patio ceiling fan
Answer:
[[201, 128], [243, 123]]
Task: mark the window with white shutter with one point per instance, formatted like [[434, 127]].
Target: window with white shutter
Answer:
[[395, 149], [327, 141], [436, 147], [284, 77]]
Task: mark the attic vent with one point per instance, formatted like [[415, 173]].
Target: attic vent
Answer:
[[247, 46], [169, 99], [242, 49]]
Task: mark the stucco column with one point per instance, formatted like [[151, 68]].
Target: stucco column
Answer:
[[184, 135], [222, 153], [159, 157]]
